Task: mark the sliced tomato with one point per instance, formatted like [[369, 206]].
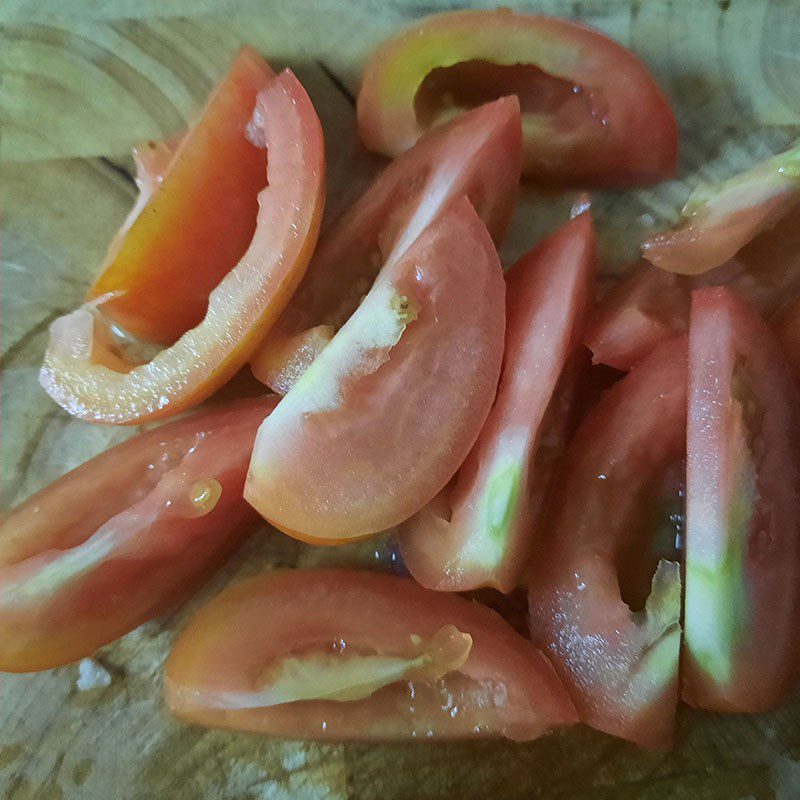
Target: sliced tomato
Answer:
[[480, 533], [87, 368], [385, 415], [123, 537], [785, 325], [743, 511], [591, 112], [613, 640], [644, 309], [650, 304], [719, 221], [477, 155], [346, 655], [195, 216]]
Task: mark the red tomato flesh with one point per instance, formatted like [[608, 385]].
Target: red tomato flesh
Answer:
[[743, 511], [615, 647], [198, 215], [88, 369], [123, 537], [592, 113], [481, 531], [477, 155], [386, 414], [346, 655]]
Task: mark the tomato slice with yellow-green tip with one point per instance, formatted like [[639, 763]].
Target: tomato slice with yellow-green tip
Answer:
[[346, 655], [743, 511], [481, 531], [93, 366], [387, 412], [124, 537], [591, 112]]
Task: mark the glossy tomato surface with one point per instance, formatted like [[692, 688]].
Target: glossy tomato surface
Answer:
[[719, 221], [346, 655], [89, 370], [481, 531], [386, 414], [477, 155], [592, 114], [613, 638], [124, 536], [198, 218], [743, 510]]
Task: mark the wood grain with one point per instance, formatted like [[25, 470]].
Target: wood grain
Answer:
[[81, 81]]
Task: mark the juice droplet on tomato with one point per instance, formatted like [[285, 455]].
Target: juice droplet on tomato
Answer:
[[204, 496]]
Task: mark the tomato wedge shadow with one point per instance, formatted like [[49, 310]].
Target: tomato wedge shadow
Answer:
[[591, 112], [124, 537], [385, 415], [344, 655], [96, 374], [613, 638], [478, 155], [481, 531], [743, 511]]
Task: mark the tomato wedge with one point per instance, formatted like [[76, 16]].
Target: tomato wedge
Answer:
[[477, 155], [86, 369], [385, 415], [743, 511], [481, 532], [613, 639], [592, 114], [123, 537], [720, 221], [346, 655], [785, 325]]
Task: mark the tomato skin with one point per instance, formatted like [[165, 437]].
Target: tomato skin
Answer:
[[616, 130], [200, 218], [619, 666], [85, 374], [478, 155], [743, 511], [118, 540], [233, 639], [717, 223], [463, 546], [402, 390]]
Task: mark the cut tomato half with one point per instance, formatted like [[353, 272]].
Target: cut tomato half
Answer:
[[477, 155], [614, 639], [719, 221], [480, 533], [346, 655], [384, 416], [743, 511], [123, 537], [89, 370], [591, 112]]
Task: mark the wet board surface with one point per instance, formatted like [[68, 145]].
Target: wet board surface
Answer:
[[81, 81]]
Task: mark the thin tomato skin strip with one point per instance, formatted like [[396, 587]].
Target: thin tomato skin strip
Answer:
[[88, 379], [124, 537]]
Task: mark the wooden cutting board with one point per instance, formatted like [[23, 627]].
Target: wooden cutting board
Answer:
[[83, 80]]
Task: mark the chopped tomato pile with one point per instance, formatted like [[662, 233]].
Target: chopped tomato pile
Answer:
[[631, 465]]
